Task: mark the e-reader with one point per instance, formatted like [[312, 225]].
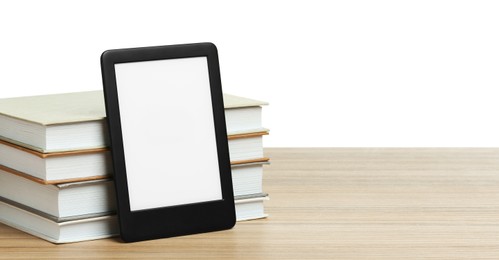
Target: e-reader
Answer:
[[169, 146]]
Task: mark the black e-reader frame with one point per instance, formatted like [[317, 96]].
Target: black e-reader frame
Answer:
[[178, 85]]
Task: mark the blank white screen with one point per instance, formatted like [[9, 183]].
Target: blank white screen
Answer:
[[168, 132]]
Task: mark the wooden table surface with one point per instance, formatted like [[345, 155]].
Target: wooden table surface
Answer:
[[337, 203]]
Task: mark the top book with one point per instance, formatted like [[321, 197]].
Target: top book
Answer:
[[75, 121], [53, 123], [243, 115]]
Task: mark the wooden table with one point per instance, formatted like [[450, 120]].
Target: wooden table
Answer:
[[337, 203]]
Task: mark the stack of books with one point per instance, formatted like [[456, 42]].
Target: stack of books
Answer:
[[56, 170], [243, 118]]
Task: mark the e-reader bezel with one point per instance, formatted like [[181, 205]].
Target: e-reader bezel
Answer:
[[179, 219]]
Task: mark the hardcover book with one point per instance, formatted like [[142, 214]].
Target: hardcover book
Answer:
[[62, 201], [38, 224], [56, 167], [75, 121], [92, 164], [66, 200], [250, 207], [247, 178], [243, 115], [86, 227], [52, 123]]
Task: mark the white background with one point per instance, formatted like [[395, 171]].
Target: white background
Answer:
[[342, 73]]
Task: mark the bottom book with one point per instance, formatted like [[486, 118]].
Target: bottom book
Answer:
[[91, 227], [42, 225], [250, 207]]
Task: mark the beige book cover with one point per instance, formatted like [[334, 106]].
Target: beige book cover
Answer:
[[231, 101], [75, 121], [79, 107], [57, 108]]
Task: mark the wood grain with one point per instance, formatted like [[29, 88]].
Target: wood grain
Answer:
[[337, 203]]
